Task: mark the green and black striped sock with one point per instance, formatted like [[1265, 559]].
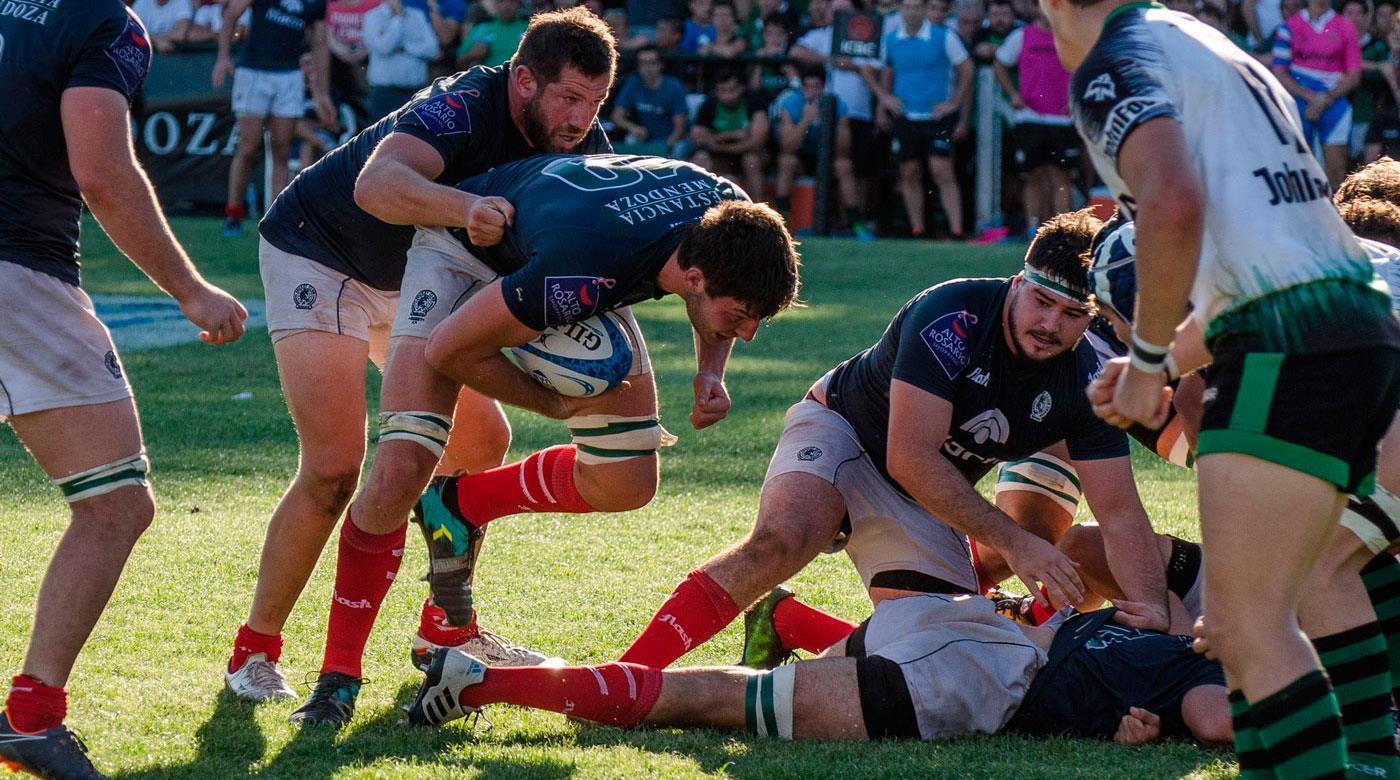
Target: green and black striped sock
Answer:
[[1382, 579], [1254, 760], [1356, 664], [1301, 728]]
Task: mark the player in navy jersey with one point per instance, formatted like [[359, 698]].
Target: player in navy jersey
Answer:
[[67, 75], [1233, 216], [883, 454], [590, 234], [332, 259], [269, 88]]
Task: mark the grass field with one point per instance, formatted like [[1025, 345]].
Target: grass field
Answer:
[[146, 693]]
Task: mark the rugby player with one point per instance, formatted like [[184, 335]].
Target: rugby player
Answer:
[[1232, 213], [885, 449], [332, 255], [1085, 676], [592, 234], [67, 76]]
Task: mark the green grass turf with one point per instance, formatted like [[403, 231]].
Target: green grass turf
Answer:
[[146, 691]]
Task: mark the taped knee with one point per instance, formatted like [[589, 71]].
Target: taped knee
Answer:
[[1373, 519], [426, 429], [1044, 474], [768, 702], [130, 471], [609, 438]]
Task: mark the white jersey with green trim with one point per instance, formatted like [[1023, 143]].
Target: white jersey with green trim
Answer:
[[1269, 220]]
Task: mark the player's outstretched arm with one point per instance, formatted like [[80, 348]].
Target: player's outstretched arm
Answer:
[[919, 423], [397, 185], [467, 348], [1129, 542], [104, 164]]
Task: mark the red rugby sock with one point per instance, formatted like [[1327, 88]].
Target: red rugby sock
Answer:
[[617, 694], [249, 642], [804, 627], [33, 707], [433, 626], [542, 482], [365, 567], [697, 609]]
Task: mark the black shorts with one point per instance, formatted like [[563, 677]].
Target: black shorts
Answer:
[[870, 148], [1385, 130], [922, 138], [1038, 145], [1098, 669], [1322, 414]]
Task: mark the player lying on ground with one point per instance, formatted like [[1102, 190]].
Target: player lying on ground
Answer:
[[332, 253], [969, 373], [1083, 675], [592, 234], [66, 83]]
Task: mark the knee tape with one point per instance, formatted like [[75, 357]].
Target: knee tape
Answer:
[[609, 438], [768, 702], [1373, 519], [104, 479], [1172, 445], [1043, 474], [427, 429]]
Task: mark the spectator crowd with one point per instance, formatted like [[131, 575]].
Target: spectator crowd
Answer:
[[737, 86]]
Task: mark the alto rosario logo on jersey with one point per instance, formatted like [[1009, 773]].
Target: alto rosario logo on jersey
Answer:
[[947, 338], [1101, 89], [131, 53], [1041, 406], [572, 298], [445, 114], [990, 425]]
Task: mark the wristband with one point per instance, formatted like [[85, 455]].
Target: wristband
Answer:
[[1147, 357]]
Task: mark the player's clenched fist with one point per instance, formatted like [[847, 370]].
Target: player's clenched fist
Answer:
[[487, 220], [1034, 560], [218, 315], [711, 400]]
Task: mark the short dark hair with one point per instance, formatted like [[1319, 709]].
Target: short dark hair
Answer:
[[1378, 220], [649, 48], [811, 70], [775, 20], [746, 253], [572, 37], [1363, 3], [1379, 180], [1061, 246], [725, 74]]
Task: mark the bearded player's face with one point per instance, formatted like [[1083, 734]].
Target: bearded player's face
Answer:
[[1042, 324], [560, 113]]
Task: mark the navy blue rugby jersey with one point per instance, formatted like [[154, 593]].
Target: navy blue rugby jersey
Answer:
[[948, 341], [47, 46], [591, 232], [465, 117], [277, 33]]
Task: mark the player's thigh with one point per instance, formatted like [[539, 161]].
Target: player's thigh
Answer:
[[323, 381], [280, 131], [410, 384], [250, 133], [800, 514], [826, 700], [72, 439]]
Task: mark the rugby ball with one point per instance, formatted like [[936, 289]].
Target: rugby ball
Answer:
[[581, 359]]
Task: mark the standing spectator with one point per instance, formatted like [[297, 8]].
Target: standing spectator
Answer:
[[767, 79], [495, 40], [699, 28], [448, 18], [731, 132], [269, 89], [345, 30], [167, 21], [799, 133], [1373, 89], [1383, 137], [209, 19], [969, 23], [651, 108], [759, 15], [1047, 145], [727, 42], [1001, 20], [1317, 57], [845, 80], [401, 43], [917, 94], [937, 13]]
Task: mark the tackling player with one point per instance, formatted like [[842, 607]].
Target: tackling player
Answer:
[[593, 234], [1086, 677], [67, 75], [1232, 213], [332, 256], [885, 450]]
